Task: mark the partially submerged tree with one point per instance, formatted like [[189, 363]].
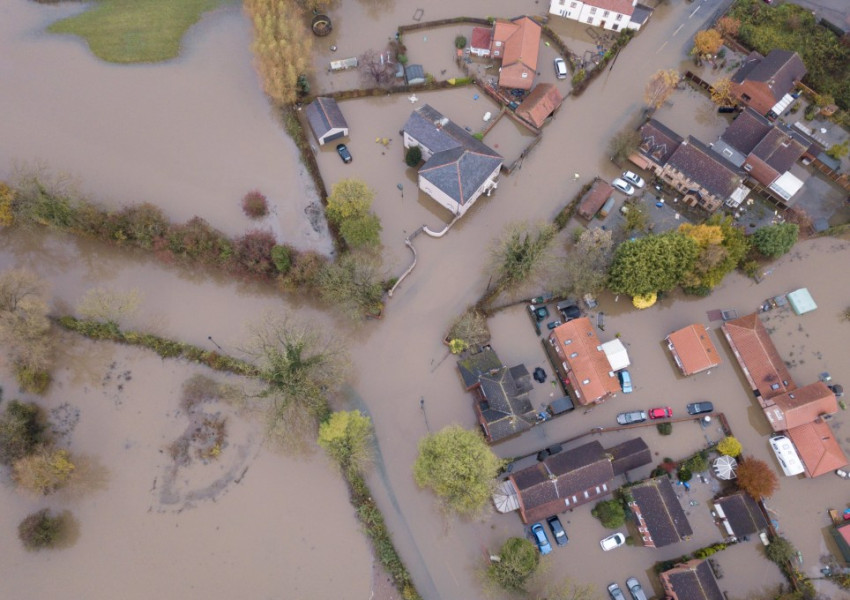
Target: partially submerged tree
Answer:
[[623, 144], [471, 328], [722, 247], [721, 92], [376, 69], [43, 529], [775, 240], [348, 208], [44, 471], [651, 264], [567, 589], [518, 560], [757, 478], [660, 87], [459, 467], [108, 305], [730, 446], [707, 42], [586, 267], [780, 551], [21, 431], [347, 437], [354, 283], [520, 251]]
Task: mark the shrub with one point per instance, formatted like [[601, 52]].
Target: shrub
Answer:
[[685, 474], [518, 561], [42, 530], [44, 471], [305, 270], [143, 224], [32, 381], [460, 42], [579, 76], [7, 197], [775, 240], [610, 513], [729, 446], [457, 346], [282, 258], [252, 254], [20, 431], [197, 240], [697, 463], [413, 156], [254, 205], [780, 551], [665, 428]]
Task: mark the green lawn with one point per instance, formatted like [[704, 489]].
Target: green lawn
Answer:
[[135, 31]]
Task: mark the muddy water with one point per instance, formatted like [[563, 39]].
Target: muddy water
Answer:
[[191, 136]]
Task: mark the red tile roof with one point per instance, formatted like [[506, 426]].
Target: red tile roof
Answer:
[[758, 357], [693, 349], [800, 406], [517, 43], [595, 197], [481, 38], [577, 345], [817, 447], [625, 7], [540, 103]]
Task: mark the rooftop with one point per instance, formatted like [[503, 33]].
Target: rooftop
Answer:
[[817, 447], [693, 349], [758, 357], [800, 406], [699, 164], [744, 515], [664, 516], [591, 372]]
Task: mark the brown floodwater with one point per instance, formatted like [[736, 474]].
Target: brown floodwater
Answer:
[[400, 360]]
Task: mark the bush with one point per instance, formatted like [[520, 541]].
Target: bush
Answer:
[[697, 463], [254, 205], [729, 446], [518, 561], [305, 271], [20, 431], [685, 474], [44, 471], [775, 240], [42, 530], [780, 551], [413, 156], [33, 381], [252, 254], [460, 42], [665, 428], [282, 258], [610, 513]]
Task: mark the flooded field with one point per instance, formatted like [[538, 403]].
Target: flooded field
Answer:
[[405, 377]]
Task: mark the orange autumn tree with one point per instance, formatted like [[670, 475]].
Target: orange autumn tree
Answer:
[[707, 42], [756, 478]]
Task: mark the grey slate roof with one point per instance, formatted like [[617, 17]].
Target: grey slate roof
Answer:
[[729, 152], [323, 115], [664, 516], [780, 149], [743, 513], [697, 583], [641, 14], [472, 366], [460, 163], [779, 69], [414, 74], [696, 161], [629, 455], [508, 410], [658, 142], [746, 131]]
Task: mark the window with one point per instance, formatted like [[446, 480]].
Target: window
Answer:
[[746, 97], [615, 27], [619, 17], [568, 342], [498, 44], [727, 153], [586, 381], [525, 75], [605, 14], [593, 10], [572, 4], [590, 19], [574, 354]]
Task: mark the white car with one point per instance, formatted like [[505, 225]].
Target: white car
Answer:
[[613, 541], [633, 178], [560, 68], [623, 186]]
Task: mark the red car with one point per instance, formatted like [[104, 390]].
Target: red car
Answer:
[[660, 413]]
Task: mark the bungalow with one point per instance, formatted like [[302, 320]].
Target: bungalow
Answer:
[[758, 358], [763, 82], [326, 120], [581, 362], [691, 580], [458, 167], [540, 104], [740, 514], [818, 449], [615, 15], [595, 198], [414, 74], [660, 517], [517, 44], [693, 349], [574, 477]]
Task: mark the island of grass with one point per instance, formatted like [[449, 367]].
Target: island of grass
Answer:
[[135, 31]]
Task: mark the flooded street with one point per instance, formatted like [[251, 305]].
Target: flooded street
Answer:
[[278, 531]]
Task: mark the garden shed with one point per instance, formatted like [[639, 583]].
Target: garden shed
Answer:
[[415, 74], [801, 301], [616, 354], [326, 120]]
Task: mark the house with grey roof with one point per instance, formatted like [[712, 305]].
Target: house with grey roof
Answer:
[[569, 479], [740, 515], [691, 580], [472, 365], [502, 403], [414, 74], [765, 83], [458, 167], [326, 120], [631, 454], [657, 144], [660, 517]]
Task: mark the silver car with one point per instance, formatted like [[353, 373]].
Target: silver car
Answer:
[[615, 593], [633, 178], [634, 588], [634, 416]]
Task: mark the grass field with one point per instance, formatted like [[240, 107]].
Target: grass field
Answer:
[[135, 31]]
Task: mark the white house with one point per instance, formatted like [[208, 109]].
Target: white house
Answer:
[[458, 167], [614, 15]]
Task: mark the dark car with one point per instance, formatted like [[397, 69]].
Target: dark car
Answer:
[[538, 312], [343, 152], [557, 531], [698, 408], [569, 310]]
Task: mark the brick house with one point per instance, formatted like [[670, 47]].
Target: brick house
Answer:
[[692, 349], [691, 580], [516, 43], [660, 517], [762, 82], [543, 101]]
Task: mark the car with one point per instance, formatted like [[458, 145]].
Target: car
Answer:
[[557, 530], [623, 186], [343, 152], [569, 310], [698, 408], [540, 313], [633, 178], [660, 413], [615, 592], [625, 381], [541, 539], [615, 540], [633, 416], [635, 589], [552, 325], [560, 68]]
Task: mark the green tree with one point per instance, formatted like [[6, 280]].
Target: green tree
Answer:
[[349, 209], [775, 240], [354, 284], [722, 246], [20, 431], [347, 437], [651, 264], [520, 251], [518, 560], [44, 471], [697, 463], [361, 231], [109, 306], [636, 218], [282, 258], [413, 156], [730, 446], [459, 467], [42, 530], [610, 513], [839, 151], [780, 550]]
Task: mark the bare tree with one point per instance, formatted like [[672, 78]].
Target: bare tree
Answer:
[[660, 87], [588, 260], [376, 68]]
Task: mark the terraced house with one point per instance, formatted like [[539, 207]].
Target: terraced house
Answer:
[[614, 15]]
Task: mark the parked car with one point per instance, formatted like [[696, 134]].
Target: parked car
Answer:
[[538, 312], [560, 68], [615, 593], [541, 539], [633, 178], [623, 186], [634, 588], [660, 413], [698, 408], [557, 530], [633, 416], [625, 381], [615, 540], [343, 152], [569, 310]]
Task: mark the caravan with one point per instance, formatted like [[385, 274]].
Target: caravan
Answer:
[[786, 454]]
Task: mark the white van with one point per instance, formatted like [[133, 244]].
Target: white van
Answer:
[[786, 454]]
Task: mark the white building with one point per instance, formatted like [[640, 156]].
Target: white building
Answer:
[[614, 15]]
